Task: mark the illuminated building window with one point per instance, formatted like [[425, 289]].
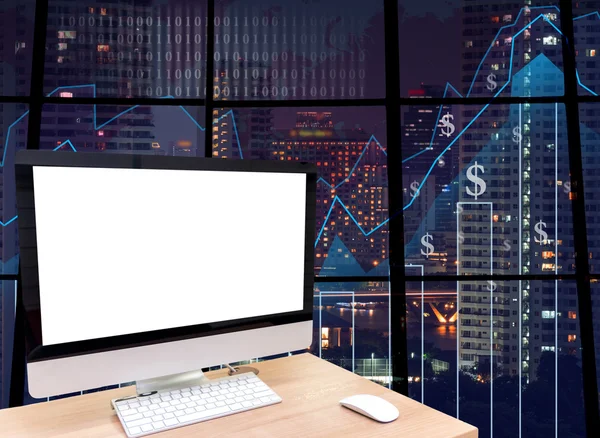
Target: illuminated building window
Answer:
[[66, 94], [590, 52], [572, 315], [495, 19], [548, 314], [550, 40], [103, 48], [572, 338]]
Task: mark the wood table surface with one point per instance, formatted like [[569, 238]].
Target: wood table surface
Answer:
[[311, 389]]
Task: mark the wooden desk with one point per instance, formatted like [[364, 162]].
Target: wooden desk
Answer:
[[311, 389]]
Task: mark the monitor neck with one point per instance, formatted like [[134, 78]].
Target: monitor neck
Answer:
[[173, 381]]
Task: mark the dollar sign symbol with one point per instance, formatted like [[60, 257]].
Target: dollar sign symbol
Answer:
[[461, 237], [492, 84], [517, 137], [491, 286], [446, 123], [425, 241], [480, 185], [567, 187], [539, 228], [414, 186], [507, 246]]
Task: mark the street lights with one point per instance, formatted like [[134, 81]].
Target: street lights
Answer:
[[372, 357]]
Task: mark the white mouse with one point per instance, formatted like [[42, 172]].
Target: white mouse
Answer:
[[371, 406]]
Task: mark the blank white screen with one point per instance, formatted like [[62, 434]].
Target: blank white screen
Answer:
[[132, 250]]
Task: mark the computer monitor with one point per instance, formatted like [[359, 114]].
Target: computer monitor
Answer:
[[135, 267]]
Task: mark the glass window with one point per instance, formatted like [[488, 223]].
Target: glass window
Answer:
[[281, 50], [13, 136], [452, 339], [486, 189], [127, 49], [348, 147], [455, 45], [16, 46], [587, 43], [156, 130]]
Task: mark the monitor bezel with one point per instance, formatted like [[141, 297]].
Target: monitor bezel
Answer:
[[24, 163]]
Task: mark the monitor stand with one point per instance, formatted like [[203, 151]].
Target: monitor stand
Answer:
[[173, 381], [181, 380]]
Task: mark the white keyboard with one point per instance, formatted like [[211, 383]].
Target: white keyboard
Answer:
[[145, 415]]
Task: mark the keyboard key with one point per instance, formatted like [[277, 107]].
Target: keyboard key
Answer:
[[139, 422], [224, 391], [242, 387], [200, 408], [250, 385], [239, 399], [231, 395], [176, 391], [274, 398], [176, 396], [236, 406], [214, 393], [223, 386], [171, 422], [195, 397], [175, 402], [179, 413], [166, 398], [265, 399], [230, 401], [221, 397], [210, 405], [134, 405], [153, 396], [246, 404], [195, 388], [160, 411], [248, 391], [153, 406], [121, 403], [205, 390], [256, 402], [158, 425], [132, 417], [134, 430], [145, 403], [253, 379], [211, 399], [203, 414], [128, 412], [164, 404], [149, 414], [263, 393], [143, 409], [169, 415], [171, 409], [201, 402], [185, 400], [249, 397], [190, 410], [157, 418], [205, 396], [186, 394], [147, 427]]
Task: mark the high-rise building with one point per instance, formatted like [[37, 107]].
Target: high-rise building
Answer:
[[513, 162]]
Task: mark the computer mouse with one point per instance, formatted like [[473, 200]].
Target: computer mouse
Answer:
[[371, 406]]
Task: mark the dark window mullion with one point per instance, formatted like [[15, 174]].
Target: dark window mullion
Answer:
[[586, 322]]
